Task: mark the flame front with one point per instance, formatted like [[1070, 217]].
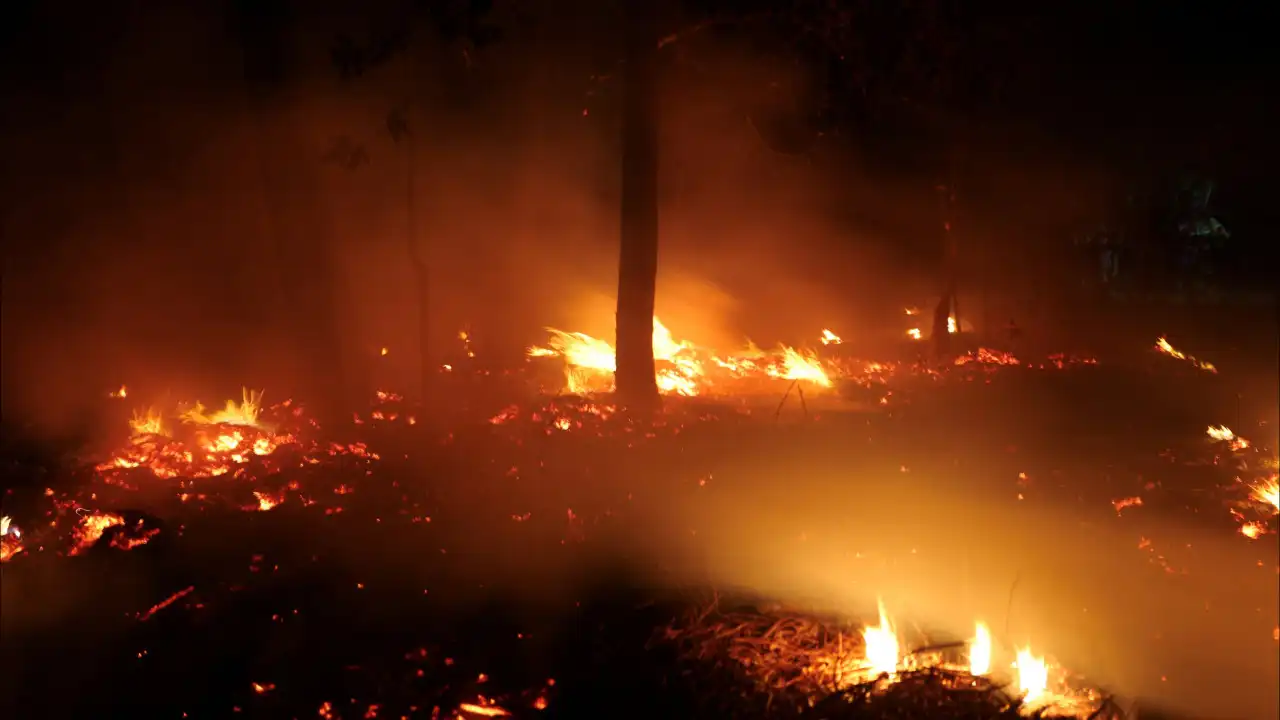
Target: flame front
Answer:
[[1163, 345], [591, 362]]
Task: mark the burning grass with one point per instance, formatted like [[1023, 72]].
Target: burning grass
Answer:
[[806, 666], [200, 468]]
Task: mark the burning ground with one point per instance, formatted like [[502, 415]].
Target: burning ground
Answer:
[[801, 533]]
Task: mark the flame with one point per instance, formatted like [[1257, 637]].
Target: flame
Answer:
[[1222, 433], [881, 646], [244, 413], [147, 422], [123, 392], [914, 334], [980, 650], [801, 365], [830, 338], [590, 362], [266, 501], [10, 539], [92, 526], [1268, 493], [209, 445], [1163, 346], [1033, 675]]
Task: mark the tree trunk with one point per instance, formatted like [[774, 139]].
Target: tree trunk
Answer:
[[305, 263], [636, 384], [421, 275]]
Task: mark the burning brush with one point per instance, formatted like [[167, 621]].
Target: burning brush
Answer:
[[807, 666]]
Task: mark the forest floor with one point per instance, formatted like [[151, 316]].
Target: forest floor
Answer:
[[544, 557]]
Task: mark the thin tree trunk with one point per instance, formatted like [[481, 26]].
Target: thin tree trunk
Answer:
[[637, 387], [952, 270], [309, 284], [417, 256]]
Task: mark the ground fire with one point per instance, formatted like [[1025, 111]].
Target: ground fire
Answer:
[[258, 457]]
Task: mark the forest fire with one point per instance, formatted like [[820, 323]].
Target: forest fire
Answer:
[[684, 369], [248, 456]]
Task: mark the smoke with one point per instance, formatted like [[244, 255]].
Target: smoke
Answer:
[[181, 234]]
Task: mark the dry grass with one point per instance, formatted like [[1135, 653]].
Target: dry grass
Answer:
[[811, 668]]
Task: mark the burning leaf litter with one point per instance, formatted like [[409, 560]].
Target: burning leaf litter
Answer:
[[247, 450], [1162, 345], [800, 662]]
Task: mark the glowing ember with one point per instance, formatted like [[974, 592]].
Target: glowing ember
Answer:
[[830, 338], [914, 334], [1033, 676], [881, 647], [980, 651], [123, 392], [91, 528], [987, 356], [1253, 530], [1123, 503], [483, 707], [1163, 346]]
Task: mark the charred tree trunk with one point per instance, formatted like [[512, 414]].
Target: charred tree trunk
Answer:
[[637, 386]]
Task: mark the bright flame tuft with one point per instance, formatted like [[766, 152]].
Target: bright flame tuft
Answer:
[[881, 646], [147, 422], [245, 413], [980, 650], [1268, 493], [1033, 675]]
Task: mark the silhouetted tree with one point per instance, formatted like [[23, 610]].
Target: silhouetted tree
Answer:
[[302, 258], [423, 22], [638, 256]]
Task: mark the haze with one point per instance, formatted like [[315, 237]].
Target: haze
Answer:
[[160, 217]]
